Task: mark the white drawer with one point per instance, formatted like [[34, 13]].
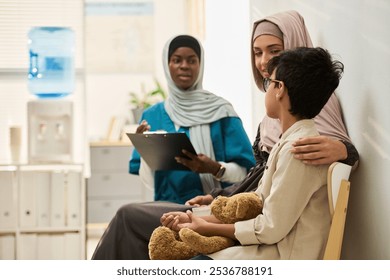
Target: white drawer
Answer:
[[114, 184], [102, 210], [110, 158]]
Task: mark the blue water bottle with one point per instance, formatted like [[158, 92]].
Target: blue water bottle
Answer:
[[51, 72]]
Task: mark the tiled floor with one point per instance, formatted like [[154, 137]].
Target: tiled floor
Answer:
[[94, 232]]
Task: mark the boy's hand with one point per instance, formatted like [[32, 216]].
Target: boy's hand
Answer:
[[173, 219], [195, 223]]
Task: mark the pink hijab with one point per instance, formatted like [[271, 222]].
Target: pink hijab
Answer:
[[329, 121]]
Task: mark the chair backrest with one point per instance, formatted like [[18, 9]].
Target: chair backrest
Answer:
[[338, 195]]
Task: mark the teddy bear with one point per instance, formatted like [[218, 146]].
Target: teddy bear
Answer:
[[167, 244]]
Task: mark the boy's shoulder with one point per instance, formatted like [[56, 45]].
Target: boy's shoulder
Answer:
[[300, 129]]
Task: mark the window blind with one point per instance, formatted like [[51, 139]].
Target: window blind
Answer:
[[18, 16]]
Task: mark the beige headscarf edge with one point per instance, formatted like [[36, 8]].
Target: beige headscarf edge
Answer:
[[295, 34]]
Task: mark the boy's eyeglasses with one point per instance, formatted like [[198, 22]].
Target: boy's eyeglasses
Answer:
[[267, 82]]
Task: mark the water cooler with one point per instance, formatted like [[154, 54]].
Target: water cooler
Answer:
[[50, 130], [51, 81]]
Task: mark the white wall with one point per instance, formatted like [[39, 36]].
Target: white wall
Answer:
[[357, 31], [108, 94], [227, 64]]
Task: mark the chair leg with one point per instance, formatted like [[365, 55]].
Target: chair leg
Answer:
[[336, 233]]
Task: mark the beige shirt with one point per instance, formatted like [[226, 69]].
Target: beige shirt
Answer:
[[295, 220]]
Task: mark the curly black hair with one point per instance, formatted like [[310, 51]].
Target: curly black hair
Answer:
[[310, 76]]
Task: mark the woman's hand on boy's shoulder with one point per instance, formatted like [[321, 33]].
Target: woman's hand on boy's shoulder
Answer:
[[319, 150]]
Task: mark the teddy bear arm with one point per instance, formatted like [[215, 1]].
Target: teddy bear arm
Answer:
[[164, 244], [249, 209]]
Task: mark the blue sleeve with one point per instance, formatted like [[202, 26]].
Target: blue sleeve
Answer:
[[134, 163], [235, 145]]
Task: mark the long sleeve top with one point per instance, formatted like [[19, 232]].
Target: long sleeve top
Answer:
[[295, 220], [230, 143]]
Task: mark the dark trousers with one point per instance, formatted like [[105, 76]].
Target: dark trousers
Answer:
[[128, 233], [127, 236]]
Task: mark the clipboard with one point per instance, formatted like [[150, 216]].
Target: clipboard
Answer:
[[160, 149]]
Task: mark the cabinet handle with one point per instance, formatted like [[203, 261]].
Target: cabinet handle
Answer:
[[106, 178]]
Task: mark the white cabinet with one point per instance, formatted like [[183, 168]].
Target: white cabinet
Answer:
[[110, 185], [42, 212], [8, 201]]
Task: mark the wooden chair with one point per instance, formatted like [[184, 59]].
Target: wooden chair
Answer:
[[338, 194]]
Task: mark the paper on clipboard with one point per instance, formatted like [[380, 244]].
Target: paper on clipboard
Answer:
[[160, 149]]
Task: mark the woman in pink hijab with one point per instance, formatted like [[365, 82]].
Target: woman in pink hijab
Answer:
[[270, 36], [268, 236]]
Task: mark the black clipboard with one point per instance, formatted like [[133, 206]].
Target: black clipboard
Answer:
[[160, 149]]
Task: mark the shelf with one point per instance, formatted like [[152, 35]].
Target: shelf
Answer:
[[110, 144], [4, 231], [51, 167], [8, 167], [42, 211], [50, 230], [42, 167]]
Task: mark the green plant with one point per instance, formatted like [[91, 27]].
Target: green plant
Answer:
[[147, 98]]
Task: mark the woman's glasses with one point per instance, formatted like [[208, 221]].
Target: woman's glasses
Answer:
[[267, 82]]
